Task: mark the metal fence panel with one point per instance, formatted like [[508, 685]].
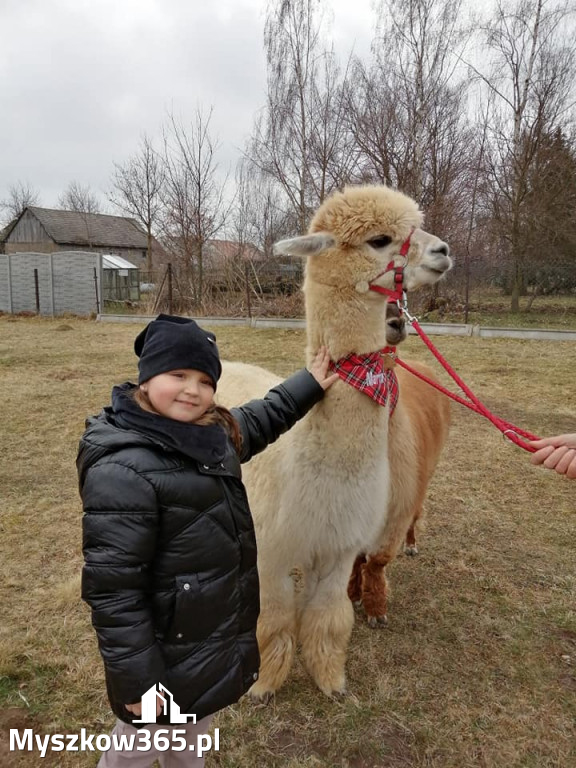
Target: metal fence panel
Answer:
[[5, 284], [74, 286], [65, 282]]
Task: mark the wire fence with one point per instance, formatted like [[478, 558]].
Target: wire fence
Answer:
[[272, 289], [247, 289]]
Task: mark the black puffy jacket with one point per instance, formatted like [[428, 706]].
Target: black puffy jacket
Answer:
[[170, 557]]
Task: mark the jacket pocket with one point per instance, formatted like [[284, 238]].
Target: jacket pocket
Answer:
[[201, 608]]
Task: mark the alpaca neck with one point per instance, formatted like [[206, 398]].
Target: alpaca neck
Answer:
[[345, 327], [355, 326]]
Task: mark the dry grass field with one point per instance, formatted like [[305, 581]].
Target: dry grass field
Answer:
[[477, 666], [490, 307]]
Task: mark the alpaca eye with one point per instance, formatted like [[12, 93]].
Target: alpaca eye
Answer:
[[380, 242]]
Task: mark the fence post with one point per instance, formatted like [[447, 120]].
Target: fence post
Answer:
[[37, 291], [248, 300], [96, 289], [10, 299], [51, 283], [169, 289], [159, 294]]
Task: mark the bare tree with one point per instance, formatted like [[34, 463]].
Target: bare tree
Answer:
[[531, 81], [333, 154], [407, 112], [260, 210], [259, 219], [298, 138], [138, 186], [80, 198], [20, 196], [476, 174], [407, 109], [194, 196]]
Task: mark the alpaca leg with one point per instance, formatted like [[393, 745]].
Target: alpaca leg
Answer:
[[276, 636], [326, 625], [410, 547], [355, 581], [375, 588]]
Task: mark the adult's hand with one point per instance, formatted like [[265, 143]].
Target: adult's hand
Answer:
[[557, 453]]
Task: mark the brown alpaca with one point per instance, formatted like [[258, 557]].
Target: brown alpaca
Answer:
[[417, 432]]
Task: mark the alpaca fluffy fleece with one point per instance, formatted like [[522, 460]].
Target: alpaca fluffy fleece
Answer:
[[318, 494]]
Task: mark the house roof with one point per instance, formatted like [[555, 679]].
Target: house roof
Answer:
[[110, 261], [218, 252], [96, 229], [7, 229]]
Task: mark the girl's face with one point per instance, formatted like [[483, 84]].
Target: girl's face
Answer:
[[183, 395]]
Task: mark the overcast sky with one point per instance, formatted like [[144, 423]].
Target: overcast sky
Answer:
[[82, 80]]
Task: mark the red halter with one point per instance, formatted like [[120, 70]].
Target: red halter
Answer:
[[397, 293], [367, 373]]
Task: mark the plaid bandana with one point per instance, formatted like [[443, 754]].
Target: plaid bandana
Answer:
[[368, 375]]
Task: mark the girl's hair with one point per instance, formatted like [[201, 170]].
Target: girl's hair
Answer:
[[216, 414]]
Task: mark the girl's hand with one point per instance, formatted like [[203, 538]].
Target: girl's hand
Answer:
[[319, 369], [558, 453], [136, 709]]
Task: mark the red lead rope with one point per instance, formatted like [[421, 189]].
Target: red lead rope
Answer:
[[397, 294], [513, 433]]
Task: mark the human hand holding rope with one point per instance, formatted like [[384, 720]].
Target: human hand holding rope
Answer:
[[557, 453]]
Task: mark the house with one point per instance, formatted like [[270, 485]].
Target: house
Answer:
[[43, 230], [228, 263], [222, 258], [221, 254]]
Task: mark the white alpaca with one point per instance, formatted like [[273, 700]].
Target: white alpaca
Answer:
[[317, 494]]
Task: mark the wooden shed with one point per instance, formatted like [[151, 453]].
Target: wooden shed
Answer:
[[43, 230]]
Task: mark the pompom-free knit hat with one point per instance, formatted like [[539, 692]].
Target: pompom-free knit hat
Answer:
[[170, 342]]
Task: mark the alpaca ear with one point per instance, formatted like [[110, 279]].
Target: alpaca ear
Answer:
[[306, 245]]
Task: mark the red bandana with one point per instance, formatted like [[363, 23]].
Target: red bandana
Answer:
[[368, 375]]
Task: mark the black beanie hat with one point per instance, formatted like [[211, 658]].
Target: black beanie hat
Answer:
[[172, 342]]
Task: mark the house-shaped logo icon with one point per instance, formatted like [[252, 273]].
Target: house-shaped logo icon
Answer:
[[149, 700]]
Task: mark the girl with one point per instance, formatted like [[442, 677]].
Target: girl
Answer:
[[168, 539]]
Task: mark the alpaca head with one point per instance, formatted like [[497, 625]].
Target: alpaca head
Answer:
[[356, 233], [354, 238]]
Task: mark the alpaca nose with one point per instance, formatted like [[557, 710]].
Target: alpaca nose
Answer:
[[396, 323], [441, 260]]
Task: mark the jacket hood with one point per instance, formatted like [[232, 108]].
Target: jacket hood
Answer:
[[102, 436]]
